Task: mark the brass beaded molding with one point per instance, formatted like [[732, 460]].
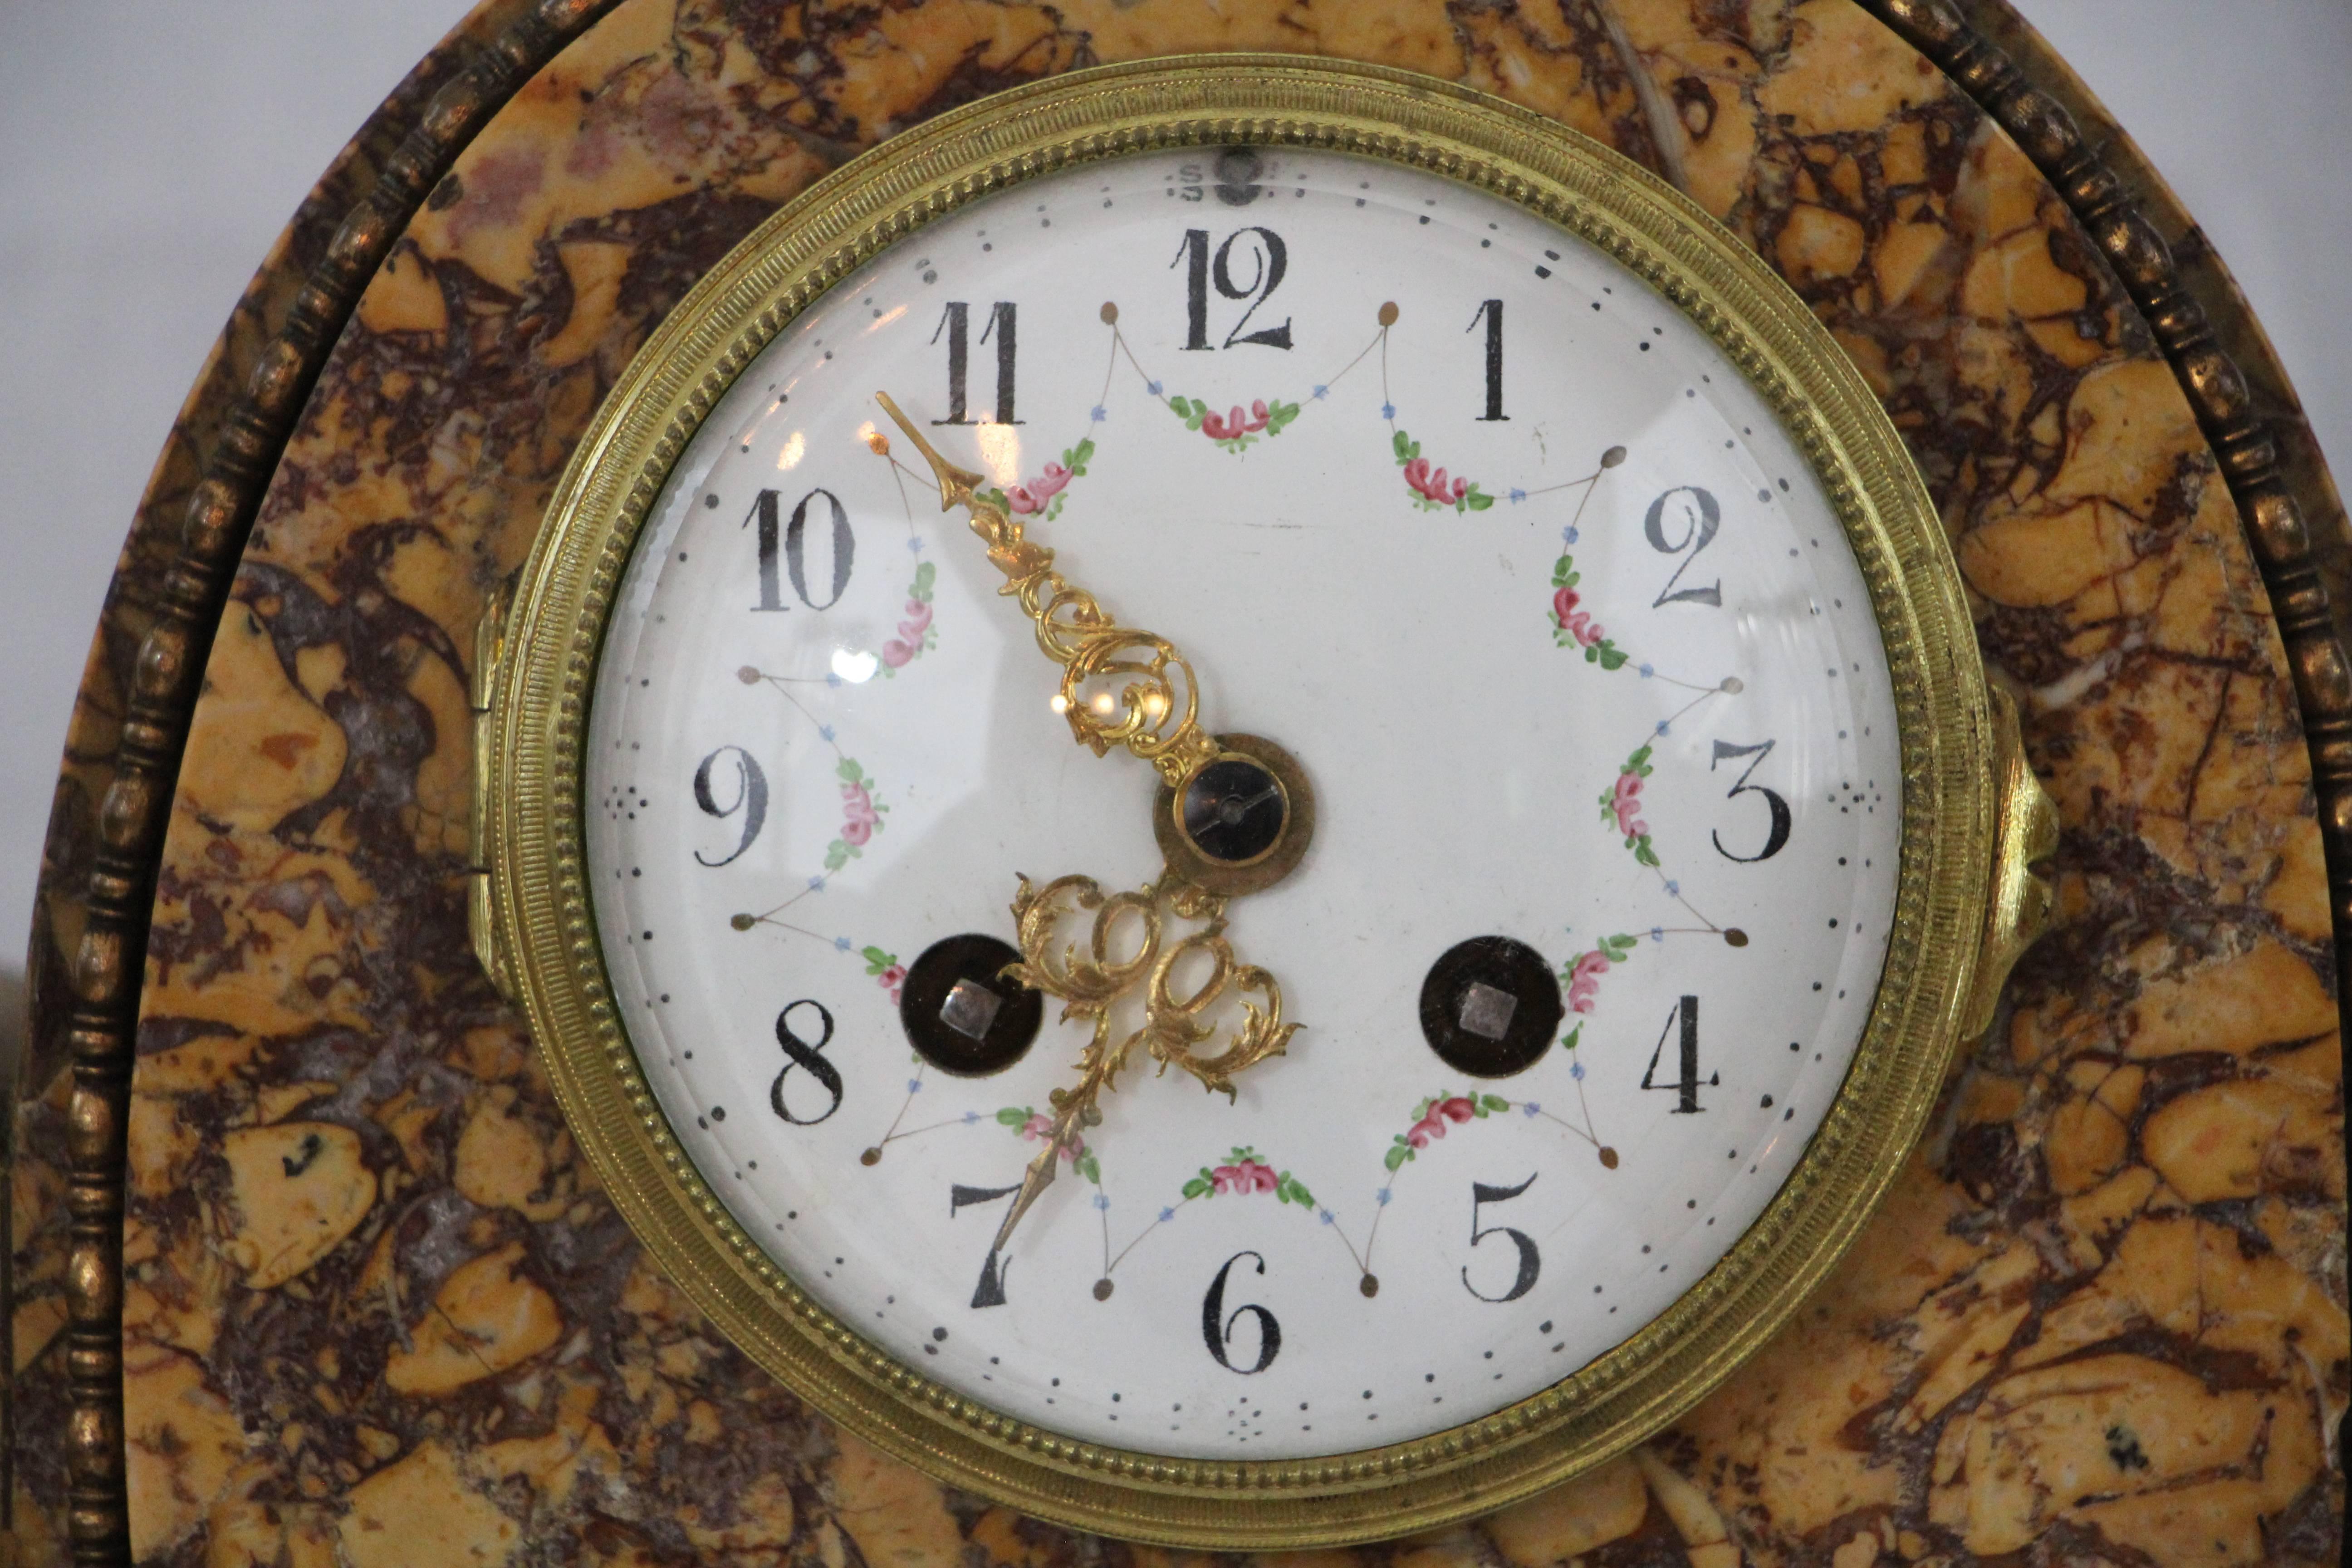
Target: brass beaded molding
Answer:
[[541, 927], [169, 674], [104, 1013]]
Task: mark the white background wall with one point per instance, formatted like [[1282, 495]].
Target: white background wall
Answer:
[[150, 150]]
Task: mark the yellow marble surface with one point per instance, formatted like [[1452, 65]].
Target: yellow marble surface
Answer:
[[378, 1312]]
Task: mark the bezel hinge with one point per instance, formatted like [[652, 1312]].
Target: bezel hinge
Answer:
[[2025, 833], [481, 921]]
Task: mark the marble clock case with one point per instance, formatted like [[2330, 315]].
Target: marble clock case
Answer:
[[306, 1267]]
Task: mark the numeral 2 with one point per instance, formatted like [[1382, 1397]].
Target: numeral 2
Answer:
[[1273, 258], [1530, 1260], [1002, 324], [1686, 1013], [989, 1291], [1699, 517], [790, 539], [1776, 836]]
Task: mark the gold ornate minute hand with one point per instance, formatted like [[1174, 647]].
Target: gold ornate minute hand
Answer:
[[1153, 710]]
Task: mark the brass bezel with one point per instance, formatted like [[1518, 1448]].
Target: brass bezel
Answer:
[[540, 914]]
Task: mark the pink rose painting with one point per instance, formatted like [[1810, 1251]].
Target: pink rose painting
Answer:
[[1035, 1126], [1041, 497], [1583, 976], [1433, 488], [1434, 484], [909, 640], [1627, 804], [861, 816], [1245, 1173], [1032, 497], [1233, 426], [1584, 980], [1621, 807], [915, 633], [1573, 626], [1578, 623], [887, 972], [1234, 429], [1433, 1118], [1245, 1176]]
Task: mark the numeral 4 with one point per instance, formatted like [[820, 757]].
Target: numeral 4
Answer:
[[1686, 1014]]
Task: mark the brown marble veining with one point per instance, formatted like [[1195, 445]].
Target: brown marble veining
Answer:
[[377, 1310], [92, 748]]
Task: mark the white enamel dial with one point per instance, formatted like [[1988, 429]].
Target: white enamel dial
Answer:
[[1557, 624]]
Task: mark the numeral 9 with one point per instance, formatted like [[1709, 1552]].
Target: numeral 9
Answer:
[[750, 799]]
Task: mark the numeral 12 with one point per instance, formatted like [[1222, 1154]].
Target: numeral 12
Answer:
[[1002, 324], [1273, 260]]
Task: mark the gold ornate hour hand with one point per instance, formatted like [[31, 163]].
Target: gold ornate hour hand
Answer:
[[1092, 982]]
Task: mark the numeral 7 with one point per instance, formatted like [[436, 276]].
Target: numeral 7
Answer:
[[990, 1292]]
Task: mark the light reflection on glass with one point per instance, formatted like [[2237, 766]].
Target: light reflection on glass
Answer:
[[999, 452]]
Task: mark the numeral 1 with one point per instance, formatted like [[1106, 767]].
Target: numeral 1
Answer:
[[1686, 1013], [989, 1291], [1491, 312], [1003, 326]]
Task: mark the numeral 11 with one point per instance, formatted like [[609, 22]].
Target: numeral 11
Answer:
[[956, 322]]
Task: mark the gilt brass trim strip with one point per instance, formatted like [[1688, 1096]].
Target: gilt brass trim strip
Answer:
[[539, 900], [107, 968]]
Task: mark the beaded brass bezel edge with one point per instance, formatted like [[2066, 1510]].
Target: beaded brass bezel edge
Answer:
[[542, 908]]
